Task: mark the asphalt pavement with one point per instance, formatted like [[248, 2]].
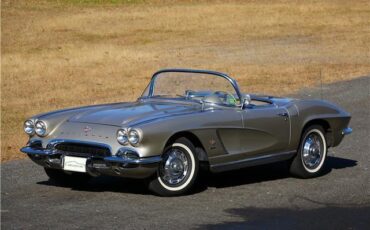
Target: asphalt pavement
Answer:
[[264, 197]]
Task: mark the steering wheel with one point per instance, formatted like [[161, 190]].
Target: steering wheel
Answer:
[[229, 101]]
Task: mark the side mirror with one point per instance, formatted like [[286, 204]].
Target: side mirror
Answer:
[[246, 100]]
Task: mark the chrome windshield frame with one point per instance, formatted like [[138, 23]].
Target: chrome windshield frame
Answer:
[[223, 75]]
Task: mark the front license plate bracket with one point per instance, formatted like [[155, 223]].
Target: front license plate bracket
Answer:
[[74, 164]]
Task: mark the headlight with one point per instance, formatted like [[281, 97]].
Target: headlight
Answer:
[[122, 137], [40, 128], [29, 127], [134, 137]]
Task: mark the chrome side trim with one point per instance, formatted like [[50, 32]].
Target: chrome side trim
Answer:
[[252, 161], [347, 131]]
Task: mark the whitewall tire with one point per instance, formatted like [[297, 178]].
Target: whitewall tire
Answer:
[[311, 155], [178, 170]]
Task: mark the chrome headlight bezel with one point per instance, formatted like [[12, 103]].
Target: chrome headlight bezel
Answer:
[[122, 136], [29, 127], [41, 128], [134, 137]]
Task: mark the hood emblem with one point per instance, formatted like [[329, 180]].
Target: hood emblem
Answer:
[[87, 129]]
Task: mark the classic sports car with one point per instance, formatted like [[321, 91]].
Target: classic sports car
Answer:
[[183, 119]]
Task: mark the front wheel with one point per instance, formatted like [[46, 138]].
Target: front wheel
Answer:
[[310, 159], [178, 170]]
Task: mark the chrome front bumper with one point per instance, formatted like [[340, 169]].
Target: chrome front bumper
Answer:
[[123, 165]]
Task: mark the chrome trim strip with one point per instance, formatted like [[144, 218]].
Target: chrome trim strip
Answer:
[[347, 131], [252, 161], [290, 124], [138, 161]]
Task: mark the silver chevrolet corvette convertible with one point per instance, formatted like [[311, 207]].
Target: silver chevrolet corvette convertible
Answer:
[[185, 118]]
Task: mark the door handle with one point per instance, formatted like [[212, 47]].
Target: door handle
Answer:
[[285, 115]]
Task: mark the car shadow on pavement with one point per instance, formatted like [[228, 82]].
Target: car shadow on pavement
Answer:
[[267, 172], [335, 217], [104, 184], [250, 175]]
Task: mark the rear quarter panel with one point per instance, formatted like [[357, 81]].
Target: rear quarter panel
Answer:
[[304, 111]]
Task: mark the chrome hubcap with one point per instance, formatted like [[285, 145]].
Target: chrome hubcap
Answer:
[[174, 167], [312, 151]]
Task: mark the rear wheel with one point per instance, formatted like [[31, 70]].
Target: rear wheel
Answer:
[[310, 159], [178, 170], [61, 177]]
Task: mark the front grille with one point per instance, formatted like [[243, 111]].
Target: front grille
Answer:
[[83, 150]]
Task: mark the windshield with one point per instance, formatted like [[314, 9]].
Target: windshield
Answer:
[[203, 87]]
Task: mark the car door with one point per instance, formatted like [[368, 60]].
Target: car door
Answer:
[[266, 130], [263, 130], [220, 133]]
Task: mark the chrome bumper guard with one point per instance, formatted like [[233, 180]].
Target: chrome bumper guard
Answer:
[[347, 131], [125, 165]]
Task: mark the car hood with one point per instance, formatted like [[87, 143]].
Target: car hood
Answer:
[[132, 113]]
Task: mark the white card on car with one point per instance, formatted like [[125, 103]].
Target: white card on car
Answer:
[[75, 164]]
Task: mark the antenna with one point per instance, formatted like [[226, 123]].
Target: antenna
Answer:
[[321, 93]]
